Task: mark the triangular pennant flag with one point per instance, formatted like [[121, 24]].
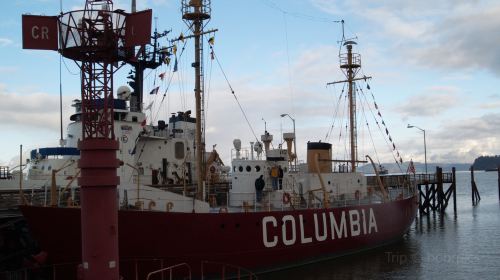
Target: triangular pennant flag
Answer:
[[379, 113], [162, 76], [211, 41], [154, 91], [212, 56], [175, 65], [394, 146], [367, 86], [174, 49], [386, 131], [390, 139], [181, 37], [376, 106], [167, 60], [383, 122]]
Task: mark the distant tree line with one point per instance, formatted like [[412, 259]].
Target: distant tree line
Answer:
[[486, 162]]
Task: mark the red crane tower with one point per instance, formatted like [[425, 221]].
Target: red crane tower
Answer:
[[97, 38]]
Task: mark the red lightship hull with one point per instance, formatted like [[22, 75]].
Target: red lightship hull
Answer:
[[259, 241]]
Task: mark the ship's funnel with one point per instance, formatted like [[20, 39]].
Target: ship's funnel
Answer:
[[289, 137], [324, 152], [266, 139], [237, 147]]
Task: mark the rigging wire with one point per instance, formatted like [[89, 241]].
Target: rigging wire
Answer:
[[164, 94], [69, 71], [334, 115], [368, 127], [180, 77], [273, 5], [382, 133], [233, 93], [208, 88], [346, 110], [60, 89]]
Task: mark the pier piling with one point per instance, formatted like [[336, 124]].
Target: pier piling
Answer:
[[498, 170], [475, 192], [454, 179]]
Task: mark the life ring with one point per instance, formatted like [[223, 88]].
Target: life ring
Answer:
[[357, 194], [223, 210], [170, 206], [286, 198], [151, 205]]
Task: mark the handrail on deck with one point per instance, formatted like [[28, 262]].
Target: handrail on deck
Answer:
[[171, 269], [238, 269]]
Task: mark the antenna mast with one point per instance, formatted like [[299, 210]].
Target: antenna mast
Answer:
[[195, 12]]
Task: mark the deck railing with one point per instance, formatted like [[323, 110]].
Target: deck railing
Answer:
[[222, 271], [136, 269], [170, 270]]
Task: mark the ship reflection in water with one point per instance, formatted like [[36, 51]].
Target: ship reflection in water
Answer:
[[436, 247]]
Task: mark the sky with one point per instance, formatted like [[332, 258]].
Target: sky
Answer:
[[434, 65]]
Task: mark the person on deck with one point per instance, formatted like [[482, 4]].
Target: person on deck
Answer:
[[274, 177], [259, 186], [280, 177]]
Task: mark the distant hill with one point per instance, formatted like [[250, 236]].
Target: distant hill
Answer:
[[486, 162], [419, 167]]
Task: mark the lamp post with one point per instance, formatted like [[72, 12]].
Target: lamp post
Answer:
[[425, 145], [294, 138]]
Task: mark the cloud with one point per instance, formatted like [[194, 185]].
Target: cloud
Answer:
[[467, 138], [8, 69], [5, 42], [490, 105], [463, 41], [458, 141], [35, 110], [315, 65], [449, 34], [429, 104]]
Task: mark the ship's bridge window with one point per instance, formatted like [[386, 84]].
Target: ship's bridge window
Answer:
[[179, 150], [249, 168], [240, 168], [257, 168]]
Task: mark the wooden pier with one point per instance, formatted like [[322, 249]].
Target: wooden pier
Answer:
[[433, 194]]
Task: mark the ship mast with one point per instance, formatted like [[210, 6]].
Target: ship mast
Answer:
[[351, 67], [350, 63], [196, 11]]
